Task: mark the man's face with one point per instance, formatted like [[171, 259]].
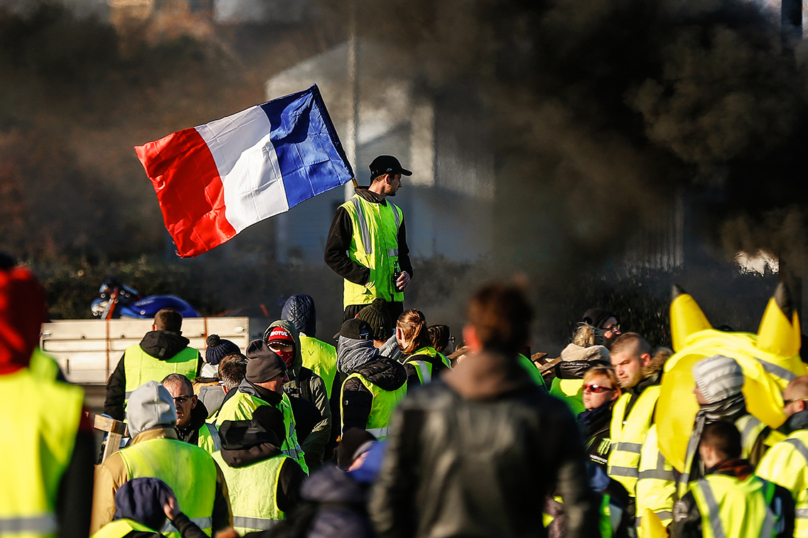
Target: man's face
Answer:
[[611, 330], [276, 383], [392, 184], [285, 351], [700, 396], [184, 401], [628, 367]]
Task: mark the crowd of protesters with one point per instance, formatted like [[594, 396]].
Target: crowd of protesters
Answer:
[[400, 429]]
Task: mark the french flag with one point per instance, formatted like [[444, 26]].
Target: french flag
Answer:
[[217, 179]]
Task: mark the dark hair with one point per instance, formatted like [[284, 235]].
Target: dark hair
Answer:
[[178, 378], [631, 343], [724, 438], [501, 316], [439, 335], [233, 370], [168, 319]]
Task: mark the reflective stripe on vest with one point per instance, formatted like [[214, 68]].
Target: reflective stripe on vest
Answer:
[[188, 470], [381, 407], [242, 406], [627, 437], [40, 418], [777, 371], [735, 508], [374, 244], [209, 439], [140, 367], [253, 512]]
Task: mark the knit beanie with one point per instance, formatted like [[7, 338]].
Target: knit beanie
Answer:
[[219, 348], [597, 317], [263, 364], [376, 315], [718, 378], [142, 500]]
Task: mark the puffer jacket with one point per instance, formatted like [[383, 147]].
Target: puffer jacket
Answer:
[[299, 309], [494, 446], [305, 384], [340, 505]]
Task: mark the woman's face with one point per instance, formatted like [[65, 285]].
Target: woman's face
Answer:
[[597, 391]]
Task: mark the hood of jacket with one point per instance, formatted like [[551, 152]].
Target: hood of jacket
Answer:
[[163, 344], [353, 353], [487, 375], [383, 372], [245, 442], [22, 312], [297, 362], [299, 309], [331, 485], [150, 406], [592, 353]]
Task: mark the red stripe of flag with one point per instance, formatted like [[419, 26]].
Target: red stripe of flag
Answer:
[[189, 190]]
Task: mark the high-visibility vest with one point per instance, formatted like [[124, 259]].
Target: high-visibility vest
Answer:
[[320, 358], [382, 407], [39, 421], [43, 365], [531, 369], [735, 508], [188, 470], [209, 439], [254, 493], [751, 428], [120, 528], [656, 485], [140, 367], [608, 522], [242, 406], [424, 368], [786, 464], [628, 434], [571, 391], [374, 244]]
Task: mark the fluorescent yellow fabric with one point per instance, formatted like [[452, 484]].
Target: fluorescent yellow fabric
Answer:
[[253, 493], [384, 403], [531, 369], [651, 526], [686, 319], [734, 508], [779, 335], [627, 435], [209, 440], [43, 365], [188, 470], [320, 358], [241, 407], [374, 245], [786, 464], [39, 421], [140, 367], [571, 392], [120, 528], [656, 487], [424, 368]]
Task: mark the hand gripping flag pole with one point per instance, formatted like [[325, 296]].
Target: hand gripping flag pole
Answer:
[[215, 180]]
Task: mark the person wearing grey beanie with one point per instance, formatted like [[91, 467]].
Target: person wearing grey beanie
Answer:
[[155, 451], [719, 383]]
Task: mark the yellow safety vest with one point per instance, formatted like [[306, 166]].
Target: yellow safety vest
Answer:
[[751, 428], [253, 511], [735, 508], [140, 367], [608, 522], [38, 421], [786, 464], [424, 368], [209, 439], [320, 358], [242, 406], [120, 528], [43, 365], [571, 391], [188, 470], [627, 435], [374, 244], [656, 485], [382, 407]]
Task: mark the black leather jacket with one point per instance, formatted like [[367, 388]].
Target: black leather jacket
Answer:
[[476, 453]]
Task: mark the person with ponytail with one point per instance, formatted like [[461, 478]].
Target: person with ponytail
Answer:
[[420, 359]]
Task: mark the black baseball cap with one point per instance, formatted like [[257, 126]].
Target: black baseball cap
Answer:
[[387, 164], [355, 329]]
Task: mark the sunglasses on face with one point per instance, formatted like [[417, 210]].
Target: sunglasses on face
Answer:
[[597, 389], [612, 328], [792, 400], [182, 399]]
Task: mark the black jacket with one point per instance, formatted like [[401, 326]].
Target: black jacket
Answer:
[[190, 433], [412, 370], [595, 429], [476, 453], [160, 344], [687, 522], [339, 242], [357, 400]]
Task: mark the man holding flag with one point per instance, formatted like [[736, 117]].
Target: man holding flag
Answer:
[[367, 243]]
